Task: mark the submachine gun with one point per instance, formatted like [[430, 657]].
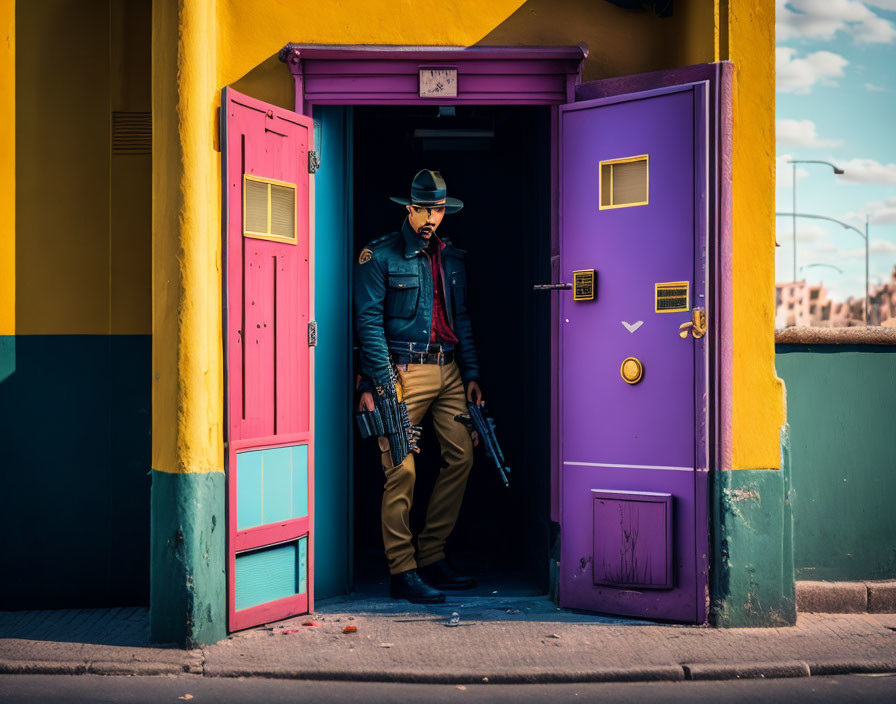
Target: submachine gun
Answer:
[[389, 418], [477, 419]]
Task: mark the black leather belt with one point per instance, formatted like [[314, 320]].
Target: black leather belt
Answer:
[[440, 358]]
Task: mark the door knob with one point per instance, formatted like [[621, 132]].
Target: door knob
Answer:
[[696, 326]]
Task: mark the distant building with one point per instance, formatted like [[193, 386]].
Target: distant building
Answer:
[[798, 303], [882, 310]]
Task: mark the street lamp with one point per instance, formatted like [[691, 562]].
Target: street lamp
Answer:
[[829, 266], [837, 170], [863, 235]]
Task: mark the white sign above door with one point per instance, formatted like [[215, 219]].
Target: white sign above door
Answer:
[[438, 82]]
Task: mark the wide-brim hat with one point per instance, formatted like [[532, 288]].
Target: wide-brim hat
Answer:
[[428, 190]]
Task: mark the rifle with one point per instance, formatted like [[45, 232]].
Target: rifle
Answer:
[[478, 419], [390, 419]]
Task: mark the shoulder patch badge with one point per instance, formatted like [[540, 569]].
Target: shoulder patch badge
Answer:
[[366, 256]]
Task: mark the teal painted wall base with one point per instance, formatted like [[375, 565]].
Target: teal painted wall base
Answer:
[[188, 598], [841, 407], [752, 562]]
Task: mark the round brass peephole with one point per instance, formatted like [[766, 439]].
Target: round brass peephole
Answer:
[[632, 370]]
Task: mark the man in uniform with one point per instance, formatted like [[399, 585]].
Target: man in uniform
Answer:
[[410, 311]]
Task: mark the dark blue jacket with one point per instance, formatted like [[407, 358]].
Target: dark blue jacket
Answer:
[[393, 302]]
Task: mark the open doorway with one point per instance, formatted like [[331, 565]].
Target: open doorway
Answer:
[[497, 160]]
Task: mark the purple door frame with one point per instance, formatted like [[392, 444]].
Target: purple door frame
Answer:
[[552, 76]]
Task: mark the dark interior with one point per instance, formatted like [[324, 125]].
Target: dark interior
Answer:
[[497, 160]]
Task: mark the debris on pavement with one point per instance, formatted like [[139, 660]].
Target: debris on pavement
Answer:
[[454, 620], [461, 687], [186, 696], [385, 645], [350, 628], [314, 624], [554, 635]]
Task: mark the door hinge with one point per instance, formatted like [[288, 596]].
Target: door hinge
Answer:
[[312, 333], [313, 161]]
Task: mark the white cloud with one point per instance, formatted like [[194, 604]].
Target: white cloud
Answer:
[[823, 19], [883, 4], [784, 172], [877, 89], [798, 75], [801, 134], [876, 247], [882, 212], [868, 171], [806, 232]]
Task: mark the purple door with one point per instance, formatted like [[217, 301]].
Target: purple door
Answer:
[[633, 184]]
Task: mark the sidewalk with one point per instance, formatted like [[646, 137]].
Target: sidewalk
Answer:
[[503, 640]]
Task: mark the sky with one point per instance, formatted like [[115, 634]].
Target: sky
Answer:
[[836, 101]]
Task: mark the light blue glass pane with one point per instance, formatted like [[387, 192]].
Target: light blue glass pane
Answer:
[[277, 484], [248, 490], [303, 565], [300, 481], [267, 575]]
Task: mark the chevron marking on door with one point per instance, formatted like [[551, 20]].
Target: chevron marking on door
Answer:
[[631, 327]]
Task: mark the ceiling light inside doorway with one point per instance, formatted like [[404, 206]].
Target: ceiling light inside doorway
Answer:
[[455, 139]]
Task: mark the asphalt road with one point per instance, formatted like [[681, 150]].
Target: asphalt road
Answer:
[[198, 690]]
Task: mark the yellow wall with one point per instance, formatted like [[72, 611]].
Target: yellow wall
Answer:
[[187, 380], [621, 42], [82, 232], [249, 58], [62, 169], [130, 197], [81, 244], [8, 167], [757, 393], [201, 45]]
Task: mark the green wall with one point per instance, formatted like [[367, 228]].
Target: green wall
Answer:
[[188, 587], [751, 578], [841, 408], [74, 506]]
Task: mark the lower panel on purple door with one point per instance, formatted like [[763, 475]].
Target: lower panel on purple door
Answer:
[[632, 539]]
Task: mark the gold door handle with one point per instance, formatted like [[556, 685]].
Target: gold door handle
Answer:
[[696, 326]]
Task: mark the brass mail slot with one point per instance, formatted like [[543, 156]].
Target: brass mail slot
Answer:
[[672, 297], [584, 285]]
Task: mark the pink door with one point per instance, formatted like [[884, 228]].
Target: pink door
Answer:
[[268, 303]]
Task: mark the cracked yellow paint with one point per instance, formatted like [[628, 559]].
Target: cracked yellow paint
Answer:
[[757, 403], [8, 167]]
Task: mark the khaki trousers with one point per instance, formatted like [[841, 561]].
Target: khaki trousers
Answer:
[[427, 386]]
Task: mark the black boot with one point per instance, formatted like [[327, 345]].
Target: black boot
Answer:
[[408, 585], [441, 576]]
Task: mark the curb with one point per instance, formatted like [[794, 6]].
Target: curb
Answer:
[[825, 669], [100, 667], [38, 667], [846, 597], [652, 673], [759, 670]]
